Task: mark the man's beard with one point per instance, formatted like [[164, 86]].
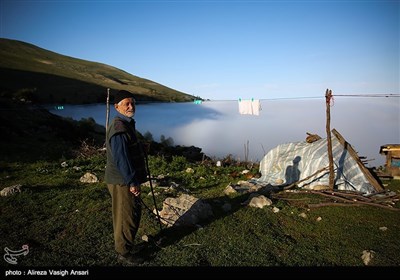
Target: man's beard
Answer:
[[130, 114]]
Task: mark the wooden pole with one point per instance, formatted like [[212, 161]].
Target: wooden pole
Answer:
[[328, 96], [108, 108]]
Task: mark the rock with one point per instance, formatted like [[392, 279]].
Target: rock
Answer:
[[259, 201], [229, 190], [367, 256], [275, 210], [11, 190], [303, 215], [184, 210], [89, 178]]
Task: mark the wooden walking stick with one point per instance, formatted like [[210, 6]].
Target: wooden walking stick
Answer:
[[152, 191]]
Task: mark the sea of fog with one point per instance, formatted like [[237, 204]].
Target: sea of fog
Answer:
[[220, 130]]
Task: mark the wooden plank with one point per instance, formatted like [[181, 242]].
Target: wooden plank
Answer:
[[377, 186]]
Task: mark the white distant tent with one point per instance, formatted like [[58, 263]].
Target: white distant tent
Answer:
[[292, 162]]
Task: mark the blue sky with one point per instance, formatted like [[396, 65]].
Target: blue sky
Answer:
[[225, 49]]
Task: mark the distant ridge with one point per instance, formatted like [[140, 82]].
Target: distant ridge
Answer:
[[42, 76]]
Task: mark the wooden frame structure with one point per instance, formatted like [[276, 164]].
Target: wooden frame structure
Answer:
[[377, 186], [392, 153]]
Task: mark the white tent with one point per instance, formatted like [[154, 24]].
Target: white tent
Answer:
[[295, 162]]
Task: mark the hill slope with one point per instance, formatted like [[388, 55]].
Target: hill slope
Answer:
[[30, 72]]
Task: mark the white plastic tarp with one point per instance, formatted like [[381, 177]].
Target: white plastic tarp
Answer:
[[292, 162]]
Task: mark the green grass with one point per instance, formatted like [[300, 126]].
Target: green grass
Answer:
[[68, 223]]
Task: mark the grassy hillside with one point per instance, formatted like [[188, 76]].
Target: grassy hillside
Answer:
[[43, 76], [32, 133]]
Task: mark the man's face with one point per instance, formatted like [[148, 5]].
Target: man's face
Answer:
[[126, 107]]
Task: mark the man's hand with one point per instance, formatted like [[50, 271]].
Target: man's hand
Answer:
[[135, 190]]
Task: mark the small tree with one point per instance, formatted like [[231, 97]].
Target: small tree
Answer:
[[148, 136], [169, 142]]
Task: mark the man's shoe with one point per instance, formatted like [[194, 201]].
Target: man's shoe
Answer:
[[137, 249], [130, 259]]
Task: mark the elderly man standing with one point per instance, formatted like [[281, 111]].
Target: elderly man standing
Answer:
[[125, 172]]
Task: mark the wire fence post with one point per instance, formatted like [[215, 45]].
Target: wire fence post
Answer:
[[328, 97], [108, 108]]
